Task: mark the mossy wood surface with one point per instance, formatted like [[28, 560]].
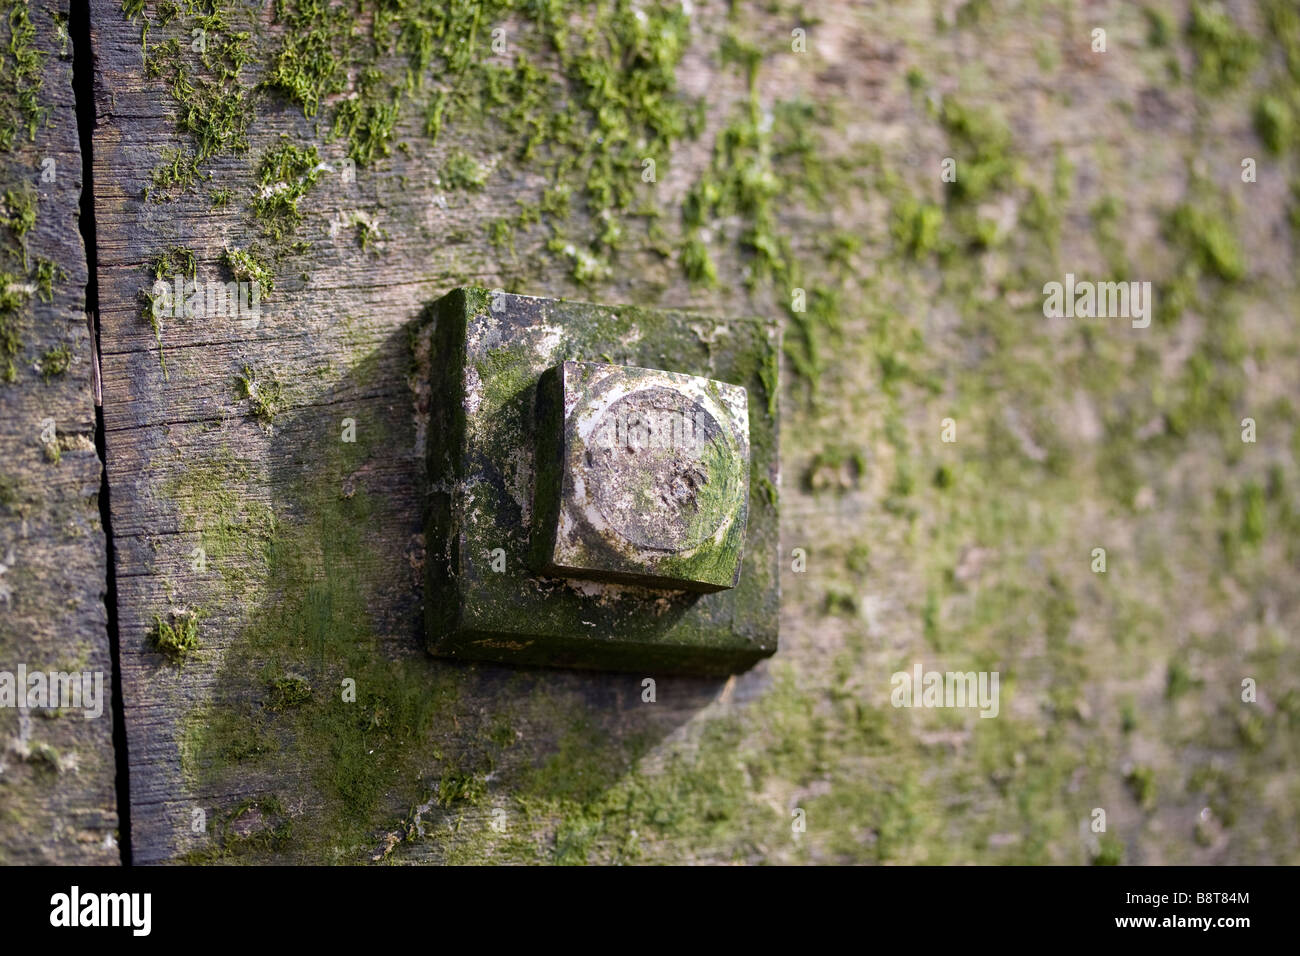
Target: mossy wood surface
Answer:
[[57, 802], [267, 479]]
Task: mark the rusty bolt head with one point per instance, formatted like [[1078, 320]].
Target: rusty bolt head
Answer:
[[642, 477]]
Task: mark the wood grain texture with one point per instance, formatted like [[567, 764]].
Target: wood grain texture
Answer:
[[309, 724], [335, 336], [57, 769]]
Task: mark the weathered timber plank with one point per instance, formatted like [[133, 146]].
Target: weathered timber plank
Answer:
[[57, 768], [924, 303], [190, 467]]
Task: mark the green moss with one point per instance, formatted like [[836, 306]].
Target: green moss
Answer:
[[973, 13], [369, 120], [212, 106], [1160, 28], [286, 692], [586, 267], [306, 69], [501, 234], [20, 216], [264, 394], [13, 298], [459, 787], [1282, 22], [841, 602], [1253, 518], [173, 261], [1207, 240], [235, 534], [44, 758], [1108, 216], [367, 233], [55, 362], [1141, 782], [462, 171], [1178, 680], [981, 145], [820, 319], [252, 828], [1110, 852], [1043, 213], [740, 182], [835, 469], [175, 635], [10, 491], [588, 95], [284, 175], [697, 263], [1224, 52], [47, 273], [1252, 730], [176, 173], [22, 110], [163, 267], [916, 226], [216, 114], [245, 265], [315, 628], [1273, 123]]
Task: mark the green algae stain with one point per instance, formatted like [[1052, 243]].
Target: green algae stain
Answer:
[[305, 682], [235, 535]]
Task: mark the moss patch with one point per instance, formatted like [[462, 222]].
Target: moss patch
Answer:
[[175, 635]]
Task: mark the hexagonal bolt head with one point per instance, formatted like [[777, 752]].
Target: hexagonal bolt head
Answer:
[[642, 477]]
